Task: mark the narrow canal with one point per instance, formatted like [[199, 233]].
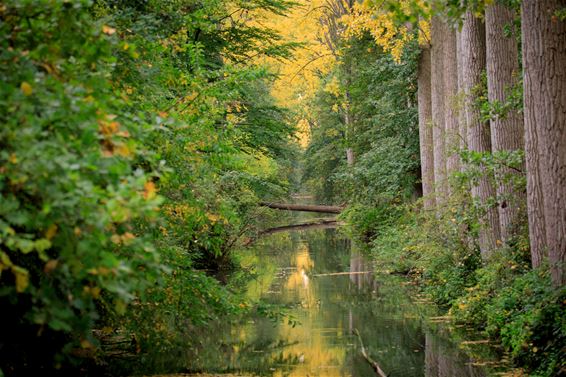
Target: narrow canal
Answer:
[[336, 303]]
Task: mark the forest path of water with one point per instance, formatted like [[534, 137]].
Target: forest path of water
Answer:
[[334, 301]]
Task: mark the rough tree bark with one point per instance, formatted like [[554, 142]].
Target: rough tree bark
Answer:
[[450, 76], [506, 129], [437, 100], [425, 128], [463, 129], [544, 62], [473, 65]]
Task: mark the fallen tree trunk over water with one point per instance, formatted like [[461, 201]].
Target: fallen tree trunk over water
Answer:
[[303, 207], [320, 223], [366, 356]]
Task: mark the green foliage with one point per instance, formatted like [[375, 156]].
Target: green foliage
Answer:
[[529, 317], [369, 222], [521, 308], [137, 139], [383, 132], [502, 296], [71, 198], [505, 298]]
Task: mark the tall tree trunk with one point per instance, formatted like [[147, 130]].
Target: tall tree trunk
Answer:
[[463, 129], [506, 130], [437, 100], [544, 61], [473, 65], [450, 101], [350, 159], [425, 127], [349, 125]]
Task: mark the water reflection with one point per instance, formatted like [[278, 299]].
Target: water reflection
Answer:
[[331, 290], [442, 360], [362, 276]]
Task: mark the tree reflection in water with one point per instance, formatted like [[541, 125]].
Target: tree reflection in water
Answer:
[[327, 285]]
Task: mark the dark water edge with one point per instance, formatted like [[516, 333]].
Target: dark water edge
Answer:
[[336, 300]]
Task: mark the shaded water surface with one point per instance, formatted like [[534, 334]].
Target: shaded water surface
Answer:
[[336, 303]]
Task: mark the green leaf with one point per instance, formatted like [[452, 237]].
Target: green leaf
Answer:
[[42, 244], [25, 246]]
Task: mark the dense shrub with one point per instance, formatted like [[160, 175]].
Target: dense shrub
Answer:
[[504, 298], [133, 152]]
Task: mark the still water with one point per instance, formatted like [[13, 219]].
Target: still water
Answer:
[[336, 303]]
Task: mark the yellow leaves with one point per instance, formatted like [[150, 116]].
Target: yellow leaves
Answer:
[[108, 30], [298, 79], [332, 132], [13, 158], [50, 266], [232, 118], [102, 271], [382, 27], [109, 129], [51, 231], [26, 88], [213, 218], [92, 291], [333, 87], [125, 238], [120, 306], [22, 278], [178, 211], [303, 132], [107, 330], [149, 190], [191, 96], [5, 262], [424, 32], [123, 150]]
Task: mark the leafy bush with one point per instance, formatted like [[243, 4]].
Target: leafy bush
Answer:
[[529, 317], [135, 145], [71, 197], [370, 221], [505, 297]]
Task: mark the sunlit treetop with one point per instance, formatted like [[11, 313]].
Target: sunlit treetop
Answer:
[[299, 78], [390, 24]]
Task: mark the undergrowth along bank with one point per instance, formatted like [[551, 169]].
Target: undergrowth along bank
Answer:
[[504, 299]]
